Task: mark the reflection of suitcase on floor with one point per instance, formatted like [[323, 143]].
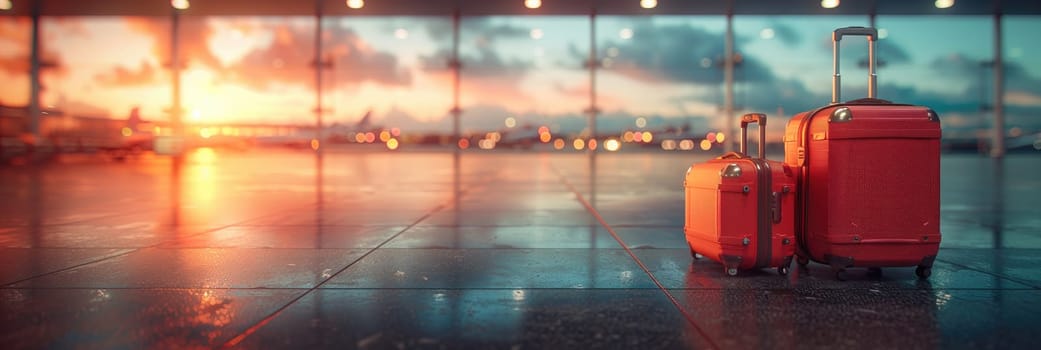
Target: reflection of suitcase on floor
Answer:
[[741, 210], [869, 178]]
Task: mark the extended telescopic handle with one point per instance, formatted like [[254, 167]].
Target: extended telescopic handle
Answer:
[[836, 80], [753, 118]]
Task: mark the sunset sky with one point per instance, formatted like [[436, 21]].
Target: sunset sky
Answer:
[[665, 68]]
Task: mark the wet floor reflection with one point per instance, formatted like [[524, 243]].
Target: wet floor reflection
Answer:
[[474, 249]]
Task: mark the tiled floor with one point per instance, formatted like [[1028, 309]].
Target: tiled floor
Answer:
[[487, 250]]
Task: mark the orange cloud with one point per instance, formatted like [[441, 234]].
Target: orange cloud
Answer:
[[289, 60], [121, 76], [194, 33]]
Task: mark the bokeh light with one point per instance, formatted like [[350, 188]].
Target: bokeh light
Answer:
[[536, 33], [612, 145], [579, 144], [706, 145], [180, 4], [558, 144]]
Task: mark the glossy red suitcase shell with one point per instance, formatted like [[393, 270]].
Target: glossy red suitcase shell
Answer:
[[740, 211], [869, 178]]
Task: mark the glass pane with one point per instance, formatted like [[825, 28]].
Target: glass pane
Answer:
[[660, 75], [787, 64], [15, 36], [248, 70], [526, 68], [946, 66], [394, 69], [105, 66], [1022, 81]]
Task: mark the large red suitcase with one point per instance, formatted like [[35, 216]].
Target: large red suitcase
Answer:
[[869, 178], [740, 211]]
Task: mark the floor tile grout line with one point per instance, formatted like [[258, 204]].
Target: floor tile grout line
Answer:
[[260, 324], [1013, 279], [672, 299], [5, 286], [130, 251]]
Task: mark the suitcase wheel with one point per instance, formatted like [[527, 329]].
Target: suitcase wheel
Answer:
[[731, 271], [923, 272], [695, 254], [802, 260], [783, 270]]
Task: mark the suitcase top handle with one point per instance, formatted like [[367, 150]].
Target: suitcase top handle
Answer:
[[836, 79], [757, 118]]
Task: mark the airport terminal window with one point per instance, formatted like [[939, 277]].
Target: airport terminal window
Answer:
[[104, 66], [248, 70], [954, 77], [528, 68], [394, 68], [786, 65], [659, 73], [15, 36], [1022, 75]]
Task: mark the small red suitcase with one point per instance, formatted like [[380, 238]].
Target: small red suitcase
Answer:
[[869, 178], [740, 211]]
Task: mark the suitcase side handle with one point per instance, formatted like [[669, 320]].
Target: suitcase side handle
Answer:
[[836, 78], [757, 118]]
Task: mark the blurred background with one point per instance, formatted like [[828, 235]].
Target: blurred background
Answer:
[[122, 77]]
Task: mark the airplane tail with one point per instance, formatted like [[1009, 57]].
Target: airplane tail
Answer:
[[365, 120]]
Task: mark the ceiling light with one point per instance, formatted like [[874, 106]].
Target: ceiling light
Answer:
[[942, 4], [829, 4], [180, 4], [648, 4], [5, 4], [355, 4], [532, 4]]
